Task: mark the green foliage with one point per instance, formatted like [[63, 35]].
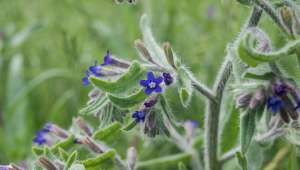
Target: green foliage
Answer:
[[247, 129]]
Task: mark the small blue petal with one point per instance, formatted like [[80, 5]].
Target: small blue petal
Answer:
[[139, 116], [107, 59], [144, 83], [158, 89], [158, 80], [148, 91], [85, 81], [150, 76]]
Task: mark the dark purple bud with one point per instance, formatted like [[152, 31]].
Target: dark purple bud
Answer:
[[168, 79], [280, 88], [284, 116]]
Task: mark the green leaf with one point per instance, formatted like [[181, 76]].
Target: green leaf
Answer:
[[65, 144], [241, 160], [131, 125], [247, 129], [104, 133], [98, 160], [185, 88], [127, 81], [63, 154], [230, 131], [37, 150], [100, 103], [128, 101], [71, 160], [77, 167]]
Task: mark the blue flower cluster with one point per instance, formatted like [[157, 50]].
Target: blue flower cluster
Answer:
[[40, 137], [95, 70]]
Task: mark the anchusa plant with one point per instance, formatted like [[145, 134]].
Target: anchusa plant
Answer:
[[257, 80]]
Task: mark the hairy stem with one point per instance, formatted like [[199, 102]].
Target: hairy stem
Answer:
[[267, 7], [213, 110]]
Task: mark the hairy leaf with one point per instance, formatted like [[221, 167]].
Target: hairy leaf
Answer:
[[127, 81], [247, 129], [102, 134], [129, 101]]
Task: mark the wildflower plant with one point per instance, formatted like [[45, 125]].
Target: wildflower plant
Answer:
[[257, 80]]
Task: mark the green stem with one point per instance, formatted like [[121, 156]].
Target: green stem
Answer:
[[213, 111]]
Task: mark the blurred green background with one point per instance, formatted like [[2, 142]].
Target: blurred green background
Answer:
[[45, 46]]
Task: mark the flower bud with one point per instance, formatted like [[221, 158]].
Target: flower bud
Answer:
[[89, 142], [169, 54], [131, 157], [286, 16], [143, 51], [190, 126], [56, 130], [243, 100], [46, 163], [83, 126], [257, 98]]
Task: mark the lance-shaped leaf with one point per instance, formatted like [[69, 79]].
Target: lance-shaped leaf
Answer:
[[247, 129], [266, 76], [100, 103], [129, 101], [185, 87], [102, 134], [65, 144], [126, 82], [241, 160], [98, 160]]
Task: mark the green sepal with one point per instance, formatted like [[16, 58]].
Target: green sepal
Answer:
[[185, 88], [104, 133], [129, 101], [100, 103], [63, 154], [241, 160], [65, 144], [37, 150], [98, 160], [247, 129], [127, 81], [245, 55], [131, 125], [71, 159]]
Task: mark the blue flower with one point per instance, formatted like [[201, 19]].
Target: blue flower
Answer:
[[274, 103], [139, 116], [107, 59], [168, 79], [95, 69], [152, 83], [40, 137]]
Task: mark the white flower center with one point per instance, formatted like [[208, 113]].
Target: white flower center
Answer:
[[152, 85]]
